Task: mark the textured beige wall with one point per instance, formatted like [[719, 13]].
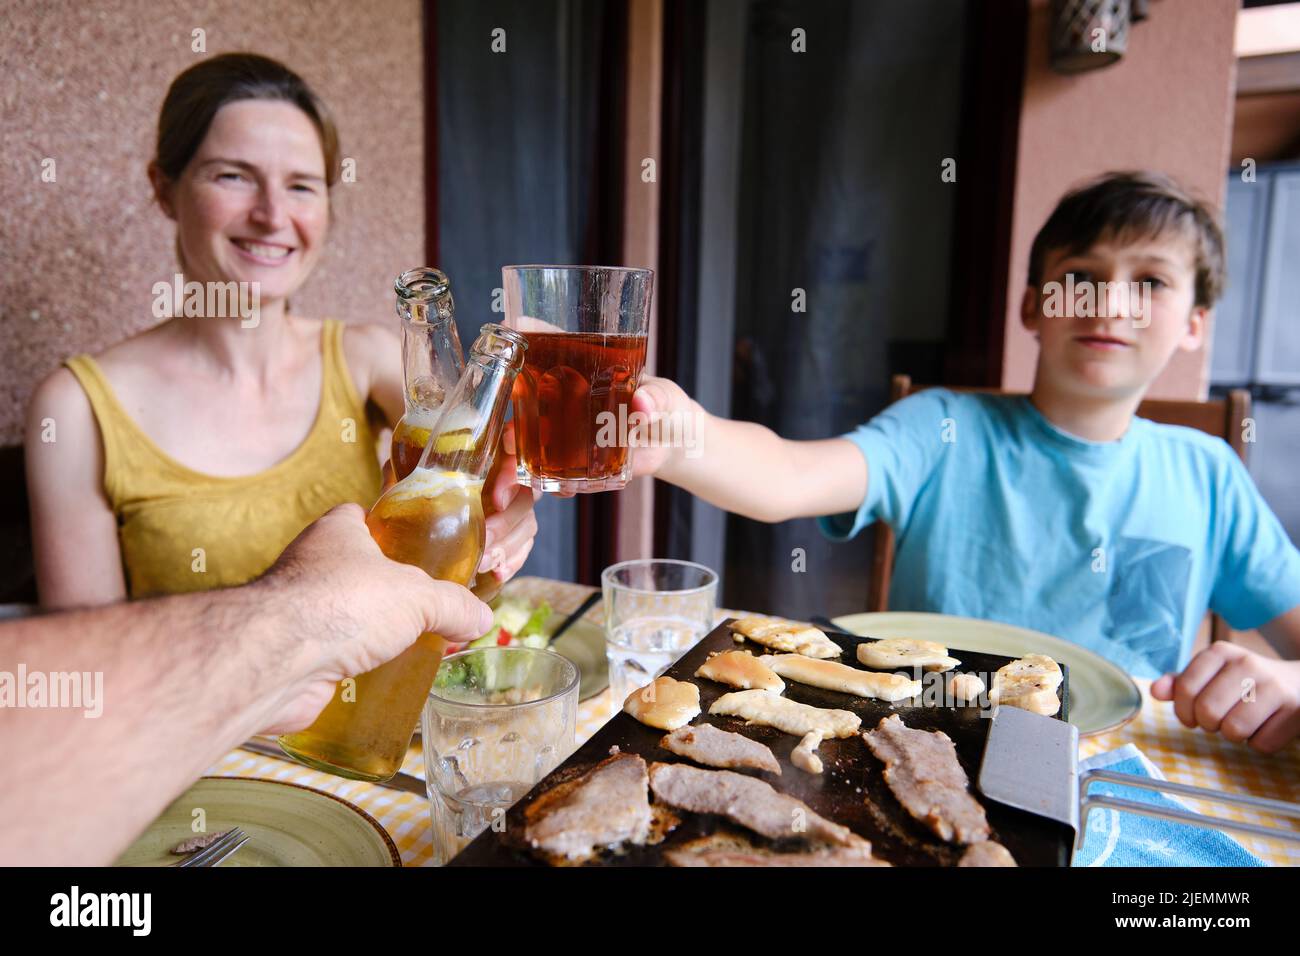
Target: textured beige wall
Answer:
[[1166, 105], [82, 84]]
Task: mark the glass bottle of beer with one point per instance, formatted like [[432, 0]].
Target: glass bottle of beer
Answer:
[[432, 360], [432, 363], [432, 518]]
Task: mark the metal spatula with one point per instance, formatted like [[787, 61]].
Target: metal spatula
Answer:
[[1031, 762]]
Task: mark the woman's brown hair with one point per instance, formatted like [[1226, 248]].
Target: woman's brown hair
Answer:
[[197, 94]]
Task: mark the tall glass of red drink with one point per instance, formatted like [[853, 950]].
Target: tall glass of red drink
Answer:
[[586, 328]]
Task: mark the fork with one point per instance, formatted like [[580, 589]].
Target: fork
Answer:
[[217, 851]]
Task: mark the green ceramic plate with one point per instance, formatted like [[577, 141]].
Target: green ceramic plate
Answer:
[[584, 644], [288, 825], [1102, 695]]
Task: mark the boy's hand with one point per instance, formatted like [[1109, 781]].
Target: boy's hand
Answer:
[[1229, 690], [655, 398]]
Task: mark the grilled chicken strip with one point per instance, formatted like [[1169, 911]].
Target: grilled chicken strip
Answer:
[[805, 756], [708, 745], [664, 703], [896, 653], [987, 853], [921, 769], [966, 687], [748, 801], [760, 707], [832, 675], [606, 806], [740, 669], [1029, 683], [782, 635]]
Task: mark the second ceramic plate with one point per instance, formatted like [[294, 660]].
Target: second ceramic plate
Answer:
[[287, 825], [584, 644]]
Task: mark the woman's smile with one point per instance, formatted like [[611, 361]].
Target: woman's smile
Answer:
[[263, 253]]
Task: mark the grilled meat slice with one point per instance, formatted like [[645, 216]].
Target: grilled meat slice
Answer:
[[748, 801], [921, 769], [836, 856], [708, 745], [606, 806]]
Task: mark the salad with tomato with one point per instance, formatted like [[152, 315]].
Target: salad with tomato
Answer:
[[515, 623]]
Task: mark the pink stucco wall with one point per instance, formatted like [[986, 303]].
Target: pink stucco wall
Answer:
[[83, 82], [1166, 105]]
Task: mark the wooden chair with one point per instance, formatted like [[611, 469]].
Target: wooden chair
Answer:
[[1221, 417]]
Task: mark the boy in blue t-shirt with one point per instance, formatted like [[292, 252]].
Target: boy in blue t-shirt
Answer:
[[1060, 511]]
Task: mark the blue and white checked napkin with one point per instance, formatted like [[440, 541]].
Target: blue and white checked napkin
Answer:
[[1131, 839]]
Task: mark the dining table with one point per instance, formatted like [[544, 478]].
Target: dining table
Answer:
[[1182, 754]]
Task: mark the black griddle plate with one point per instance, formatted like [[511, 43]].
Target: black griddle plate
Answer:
[[851, 791]]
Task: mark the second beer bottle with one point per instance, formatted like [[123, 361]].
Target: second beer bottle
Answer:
[[432, 363], [432, 518]]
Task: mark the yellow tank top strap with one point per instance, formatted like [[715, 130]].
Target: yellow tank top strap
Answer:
[[336, 366], [344, 410], [126, 449]]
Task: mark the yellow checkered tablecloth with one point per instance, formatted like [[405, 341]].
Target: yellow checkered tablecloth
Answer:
[[1207, 760], [1183, 755]]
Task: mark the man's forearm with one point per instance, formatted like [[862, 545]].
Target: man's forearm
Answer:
[[185, 679]]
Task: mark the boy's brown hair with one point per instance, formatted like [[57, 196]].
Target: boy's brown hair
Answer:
[[1134, 204]]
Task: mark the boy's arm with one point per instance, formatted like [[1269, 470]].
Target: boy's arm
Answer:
[[744, 467], [1283, 633]]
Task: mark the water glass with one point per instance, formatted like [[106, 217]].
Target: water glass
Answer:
[[655, 611], [497, 721]]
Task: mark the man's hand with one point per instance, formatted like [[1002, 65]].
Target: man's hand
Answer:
[[512, 523], [1229, 690], [346, 609]]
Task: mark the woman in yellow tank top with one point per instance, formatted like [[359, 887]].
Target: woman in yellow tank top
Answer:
[[187, 457]]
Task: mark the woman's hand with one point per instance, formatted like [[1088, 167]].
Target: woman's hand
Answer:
[[511, 523], [1244, 696]]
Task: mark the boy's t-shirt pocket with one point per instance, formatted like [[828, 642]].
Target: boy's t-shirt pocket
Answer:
[[1147, 600]]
